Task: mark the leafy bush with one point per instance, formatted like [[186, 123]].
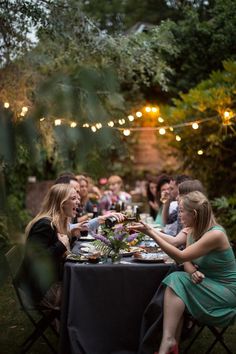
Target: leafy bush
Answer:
[[225, 211], [18, 217]]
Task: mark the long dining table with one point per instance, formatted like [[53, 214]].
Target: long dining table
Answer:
[[103, 305]]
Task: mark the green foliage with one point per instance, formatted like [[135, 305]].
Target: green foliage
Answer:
[[119, 16], [226, 214], [206, 103], [4, 235], [204, 40], [18, 217], [15, 39]]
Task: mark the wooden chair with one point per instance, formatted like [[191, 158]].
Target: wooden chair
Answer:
[[40, 317], [217, 333]]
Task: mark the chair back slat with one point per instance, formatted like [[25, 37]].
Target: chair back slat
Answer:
[[14, 258]]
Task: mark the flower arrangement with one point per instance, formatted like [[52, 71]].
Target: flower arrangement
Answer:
[[116, 239]]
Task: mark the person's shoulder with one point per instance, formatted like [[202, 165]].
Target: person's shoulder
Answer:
[[42, 224], [216, 229], [216, 233], [43, 221]]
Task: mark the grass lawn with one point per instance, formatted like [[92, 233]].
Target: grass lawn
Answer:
[[14, 327]]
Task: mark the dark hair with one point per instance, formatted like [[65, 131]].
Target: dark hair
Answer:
[[191, 186], [161, 180], [65, 179], [181, 178], [150, 196]]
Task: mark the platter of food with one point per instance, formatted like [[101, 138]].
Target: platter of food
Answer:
[[81, 258], [148, 257], [72, 257]]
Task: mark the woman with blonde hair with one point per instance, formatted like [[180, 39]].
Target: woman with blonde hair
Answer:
[[46, 245], [207, 287]]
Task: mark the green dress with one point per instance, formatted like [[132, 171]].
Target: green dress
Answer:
[[213, 301], [158, 219]]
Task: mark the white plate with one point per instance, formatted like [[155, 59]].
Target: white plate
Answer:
[[86, 238], [149, 258]]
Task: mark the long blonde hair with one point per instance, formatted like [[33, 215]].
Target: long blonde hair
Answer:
[[52, 208], [198, 204]]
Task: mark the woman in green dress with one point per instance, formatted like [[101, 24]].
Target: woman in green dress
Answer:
[[207, 287]]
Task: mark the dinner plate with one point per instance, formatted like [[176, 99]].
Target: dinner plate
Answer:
[[80, 258], [148, 258], [72, 257], [86, 238]]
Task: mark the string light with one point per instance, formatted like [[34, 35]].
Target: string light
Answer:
[[131, 118], [154, 109], [126, 132], [227, 115], [162, 131], [195, 125], [99, 125], [25, 109], [200, 152], [160, 119], [57, 122]]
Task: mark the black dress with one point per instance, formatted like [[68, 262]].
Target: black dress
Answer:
[[43, 260]]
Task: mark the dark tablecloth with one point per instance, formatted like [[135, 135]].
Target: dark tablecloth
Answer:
[[103, 305]]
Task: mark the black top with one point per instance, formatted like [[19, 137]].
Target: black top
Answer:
[[43, 261]]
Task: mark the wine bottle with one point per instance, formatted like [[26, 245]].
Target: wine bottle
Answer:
[[111, 221]]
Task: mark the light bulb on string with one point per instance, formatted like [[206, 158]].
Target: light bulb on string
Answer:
[[195, 125], [178, 138], [154, 109], [98, 125], [111, 124], [227, 115], [85, 125], [162, 131], [42, 119], [148, 109], [73, 124], [160, 119], [126, 132], [200, 152], [93, 128], [6, 104], [57, 122], [131, 118], [24, 109], [139, 114], [121, 121]]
